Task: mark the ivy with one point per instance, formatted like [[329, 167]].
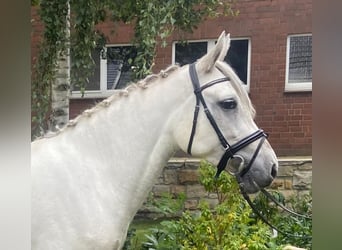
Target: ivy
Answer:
[[153, 22], [86, 14], [53, 15]]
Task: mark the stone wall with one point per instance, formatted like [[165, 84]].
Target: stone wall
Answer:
[[294, 176], [181, 176]]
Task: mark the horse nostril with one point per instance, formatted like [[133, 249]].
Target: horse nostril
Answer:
[[274, 171]]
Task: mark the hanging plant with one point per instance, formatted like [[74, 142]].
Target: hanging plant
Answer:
[[53, 15], [153, 22]]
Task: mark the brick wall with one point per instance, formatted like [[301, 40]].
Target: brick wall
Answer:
[[285, 116], [77, 106], [181, 176]]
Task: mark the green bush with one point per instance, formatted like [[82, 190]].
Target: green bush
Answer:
[[300, 227], [231, 224], [227, 226]]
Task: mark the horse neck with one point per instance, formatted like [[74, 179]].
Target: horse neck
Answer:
[[140, 122], [132, 138]]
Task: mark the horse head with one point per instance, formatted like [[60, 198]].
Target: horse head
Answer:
[[221, 127]]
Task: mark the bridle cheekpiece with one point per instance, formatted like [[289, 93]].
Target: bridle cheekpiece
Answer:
[[229, 150]]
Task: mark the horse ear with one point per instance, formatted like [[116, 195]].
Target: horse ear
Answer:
[[217, 53]]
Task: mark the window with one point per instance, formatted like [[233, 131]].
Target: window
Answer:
[[112, 71], [238, 55], [188, 53], [299, 63]]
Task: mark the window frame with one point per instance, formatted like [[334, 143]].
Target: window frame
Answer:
[[295, 86], [211, 44], [103, 92]]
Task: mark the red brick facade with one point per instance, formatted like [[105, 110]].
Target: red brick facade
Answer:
[[286, 116]]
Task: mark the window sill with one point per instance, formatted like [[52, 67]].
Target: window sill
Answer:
[[298, 87], [290, 90], [91, 94]]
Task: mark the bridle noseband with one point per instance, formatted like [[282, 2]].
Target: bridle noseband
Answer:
[[229, 150]]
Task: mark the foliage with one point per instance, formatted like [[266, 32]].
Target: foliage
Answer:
[[167, 204], [225, 187], [85, 15], [128, 242], [231, 224], [295, 225], [163, 237], [153, 21], [53, 14], [228, 226]]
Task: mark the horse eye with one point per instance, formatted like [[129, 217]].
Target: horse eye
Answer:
[[228, 104]]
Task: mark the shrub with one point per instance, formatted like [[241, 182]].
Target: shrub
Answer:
[[227, 226], [299, 226], [231, 224]]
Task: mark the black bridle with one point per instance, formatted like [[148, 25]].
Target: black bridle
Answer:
[[231, 150]]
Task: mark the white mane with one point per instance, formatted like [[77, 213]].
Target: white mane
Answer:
[[120, 93]]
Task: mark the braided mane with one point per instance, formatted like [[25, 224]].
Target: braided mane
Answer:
[[118, 94]]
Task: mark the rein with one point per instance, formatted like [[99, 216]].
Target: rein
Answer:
[[231, 150], [268, 195]]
